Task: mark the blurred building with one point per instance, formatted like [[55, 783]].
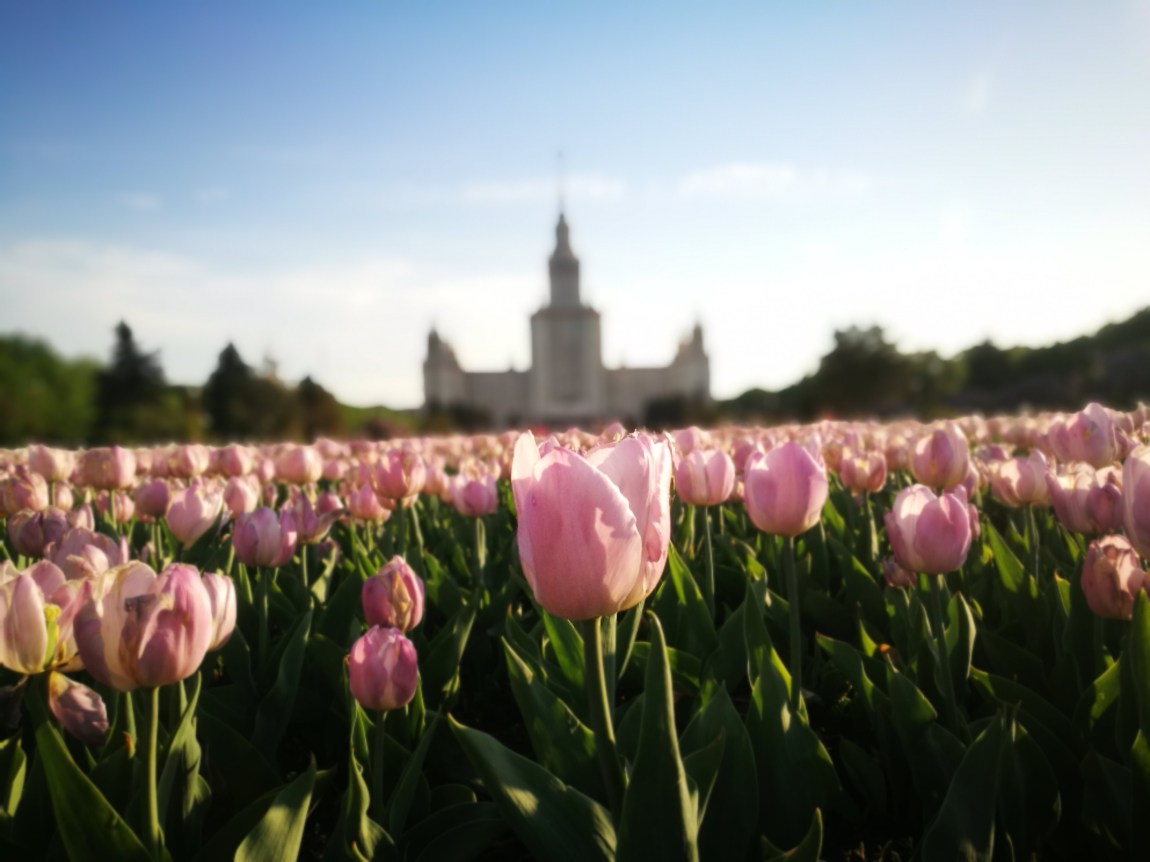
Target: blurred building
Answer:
[[567, 383]]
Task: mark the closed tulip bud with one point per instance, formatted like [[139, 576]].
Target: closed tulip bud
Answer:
[[704, 477], [1021, 481], [862, 472], [188, 460], [193, 511], [400, 475], [137, 629], [108, 469], [1112, 577], [941, 459], [116, 505], [1136, 499], [55, 465], [688, 440], [475, 496], [895, 575], [393, 597], [383, 669], [222, 598], [1089, 436], [30, 532], [593, 531], [64, 496], [153, 497], [363, 505], [24, 491], [241, 494], [234, 460], [312, 525], [79, 709], [25, 639], [263, 538], [1104, 501], [299, 465], [82, 517], [785, 489], [1081, 497], [929, 534]]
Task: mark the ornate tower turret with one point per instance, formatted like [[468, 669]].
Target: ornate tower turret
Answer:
[[564, 269]]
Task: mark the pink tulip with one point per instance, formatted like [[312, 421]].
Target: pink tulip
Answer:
[[37, 608], [785, 489], [137, 629], [193, 511], [363, 505], [222, 597], [1089, 436], [1112, 577], [400, 475], [262, 538], [55, 465], [241, 494], [393, 597], [188, 460], [383, 669], [29, 532], [312, 524], [1021, 481], [23, 491], [862, 472], [153, 498], [299, 465], [108, 469], [896, 576], [79, 709], [116, 505], [941, 458], [1086, 501], [593, 531], [1136, 499], [84, 554], [475, 496], [705, 477], [234, 460], [929, 534]]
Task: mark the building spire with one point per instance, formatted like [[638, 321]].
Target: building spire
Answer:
[[560, 191]]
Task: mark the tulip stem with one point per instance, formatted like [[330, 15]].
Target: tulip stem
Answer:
[[709, 584], [155, 834], [600, 709], [1032, 525], [262, 643], [795, 620], [936, 623], [480, 551], [377, 768]]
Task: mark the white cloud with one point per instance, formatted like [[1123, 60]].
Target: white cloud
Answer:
[[212, 194], [780, 180], [141, 201]]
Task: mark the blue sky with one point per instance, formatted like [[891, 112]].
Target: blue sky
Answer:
[[319, 183]]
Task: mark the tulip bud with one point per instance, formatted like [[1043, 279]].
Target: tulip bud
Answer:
[[79, 709], [153, 498], [862, 472], [895, 575], [393, 597], [299, 465], [941, 459], [383, 669], [364, 505], [241, 494], [193, 510], [189, 460], [785, 489], [1111, 577], [705, 478], [234, 460], [400, 475], [222, 597], [1136, 499], [1089, 436], [108, 469], [55, 465], [475, 496], [1021, 481], [24, 491], [261, 538], [29, 532], [929, 534]]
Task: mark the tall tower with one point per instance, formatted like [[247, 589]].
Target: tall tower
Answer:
[[568, 383]]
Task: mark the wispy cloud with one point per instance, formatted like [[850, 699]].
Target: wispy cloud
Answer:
[[772, 180], [212, 194], [142, 202], [592, 187]]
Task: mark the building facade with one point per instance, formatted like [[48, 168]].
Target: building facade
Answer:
[[567, 383]]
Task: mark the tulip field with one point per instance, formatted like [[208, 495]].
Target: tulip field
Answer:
[[842, 641]]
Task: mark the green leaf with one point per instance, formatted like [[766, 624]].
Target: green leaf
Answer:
[[728, 827], [567, 646], [690, 626], [13, 768], [182, 758], [932, 752], [964, 827], [1139, 652], [1029, 803], [785, 747], [1099, 696], [457, 833], [850, 661], [866, 773], [275, 709], [279, 833], [555, 821], [959, 641], [441, 670], [807, 850], [88, 826], [561, 742], [658, 781], [400, 804]]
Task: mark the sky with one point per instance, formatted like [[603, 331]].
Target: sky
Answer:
[[321, 183]]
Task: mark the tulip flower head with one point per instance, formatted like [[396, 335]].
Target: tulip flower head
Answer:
[[593, 530], [941, 459], [1112, 577], [383, 669], [785, 489], [705, 477], [929, 534], [263, 538], [393, 597]]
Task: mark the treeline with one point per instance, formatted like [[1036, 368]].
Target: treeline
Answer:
[[864, 374], [47, 398]]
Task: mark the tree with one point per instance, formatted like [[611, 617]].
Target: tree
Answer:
[[130, 402]]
